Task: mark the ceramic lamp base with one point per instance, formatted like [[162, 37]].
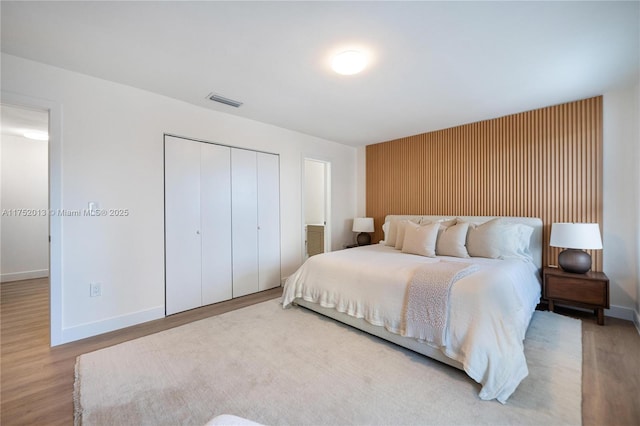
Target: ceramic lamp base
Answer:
[[363, 239], [574, 261]]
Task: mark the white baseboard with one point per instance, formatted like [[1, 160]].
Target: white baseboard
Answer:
[[110, 324], [614, 311], [25, 275], [620, 312], [93, 329]]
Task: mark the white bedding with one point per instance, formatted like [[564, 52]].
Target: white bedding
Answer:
[[489, 313]]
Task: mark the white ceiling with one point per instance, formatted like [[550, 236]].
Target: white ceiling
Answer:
[[435, 65]]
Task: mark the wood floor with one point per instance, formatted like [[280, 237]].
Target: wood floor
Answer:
[[37, 381]]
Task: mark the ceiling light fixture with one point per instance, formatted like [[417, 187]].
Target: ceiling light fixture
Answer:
[[35, 135], [349, 62]]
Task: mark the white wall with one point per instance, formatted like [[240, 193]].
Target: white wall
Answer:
[[314, 192], [637, 219], [111, 148], [621, 188], [636, 169], [24, 177]]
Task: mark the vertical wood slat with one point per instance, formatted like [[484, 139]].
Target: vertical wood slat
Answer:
[[545, 163]]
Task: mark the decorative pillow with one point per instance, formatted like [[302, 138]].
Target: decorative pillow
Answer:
[[390, 238], [444, 224], [448, 222], [385, 231], [420, 239], [452, 239], [400, 237], [486, 239]]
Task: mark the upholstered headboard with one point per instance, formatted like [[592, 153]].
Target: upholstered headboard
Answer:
[[536, 223]]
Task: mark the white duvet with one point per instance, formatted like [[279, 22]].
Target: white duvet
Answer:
[[489, 312]]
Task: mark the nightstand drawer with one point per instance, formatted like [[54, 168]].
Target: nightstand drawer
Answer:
[[577, 290]]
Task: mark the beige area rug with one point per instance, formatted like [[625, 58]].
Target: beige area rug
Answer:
[[295, 367]]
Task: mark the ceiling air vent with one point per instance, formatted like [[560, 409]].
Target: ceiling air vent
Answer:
[[217, 98]]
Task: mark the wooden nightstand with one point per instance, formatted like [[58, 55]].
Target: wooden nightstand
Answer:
[[590, 290]]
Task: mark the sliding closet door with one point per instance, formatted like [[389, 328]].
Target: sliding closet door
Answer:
[[215, 208], [182, 216], [268, 221], [244, 208]]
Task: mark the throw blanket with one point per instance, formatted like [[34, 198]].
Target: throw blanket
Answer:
[[427, 301]]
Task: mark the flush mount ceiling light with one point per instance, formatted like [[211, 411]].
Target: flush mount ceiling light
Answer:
[[349, 62], [35, 135]]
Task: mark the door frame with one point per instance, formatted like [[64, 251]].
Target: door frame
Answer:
[[327, 202], [55, 204]]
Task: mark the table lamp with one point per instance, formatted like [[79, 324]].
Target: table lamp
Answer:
[[575, 238], [363, 225]]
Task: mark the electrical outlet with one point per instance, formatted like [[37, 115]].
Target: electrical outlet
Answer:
[[95, 290]]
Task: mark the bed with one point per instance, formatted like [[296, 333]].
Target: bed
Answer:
[[488, 310]]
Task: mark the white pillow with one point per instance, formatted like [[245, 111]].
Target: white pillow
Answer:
[[385, 231], [519, 242], [498, 240], [452, 239], [486, 239], [420, 239], [444, 224], [448, 222], [390, 238], [400, 237]]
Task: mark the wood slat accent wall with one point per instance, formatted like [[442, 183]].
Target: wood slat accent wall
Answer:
[[544, 163]]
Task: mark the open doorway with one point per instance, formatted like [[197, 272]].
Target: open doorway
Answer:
[[50, 118], [316, 206], [24, 194]]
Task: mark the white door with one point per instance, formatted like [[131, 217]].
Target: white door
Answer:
[[215, 208], [244, 209], [182, 233], [268, 221]]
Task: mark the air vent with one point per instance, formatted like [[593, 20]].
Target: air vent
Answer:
[[217, 98]]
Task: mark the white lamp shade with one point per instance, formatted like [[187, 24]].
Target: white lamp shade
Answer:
[[576, 236], [363, 224]]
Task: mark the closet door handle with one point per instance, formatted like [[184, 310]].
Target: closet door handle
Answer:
[[198, 232]]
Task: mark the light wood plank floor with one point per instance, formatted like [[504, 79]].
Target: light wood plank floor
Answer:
[[37, 381]]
